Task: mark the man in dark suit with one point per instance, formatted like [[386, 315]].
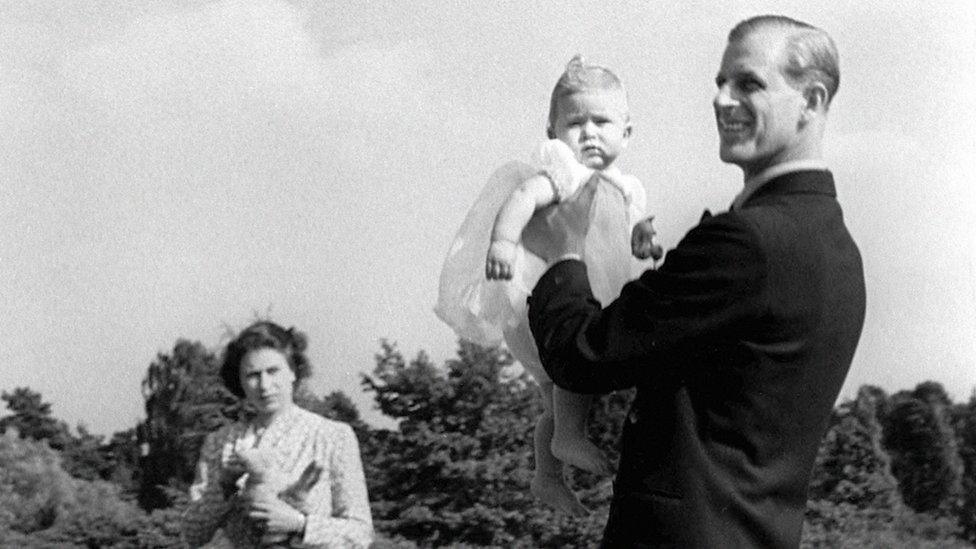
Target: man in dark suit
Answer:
[[739, 343]]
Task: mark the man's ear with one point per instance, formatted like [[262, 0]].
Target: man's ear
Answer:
[[815, 100]]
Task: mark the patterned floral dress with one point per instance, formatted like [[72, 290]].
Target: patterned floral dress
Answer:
[[336, 507]]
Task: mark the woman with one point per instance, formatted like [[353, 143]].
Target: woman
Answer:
[[321, 491]]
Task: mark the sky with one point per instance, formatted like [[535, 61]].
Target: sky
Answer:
[[170, 169]]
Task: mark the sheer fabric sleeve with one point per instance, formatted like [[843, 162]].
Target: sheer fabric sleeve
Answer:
[[208, 508], [556, 161], [636, 199], [349, 525]]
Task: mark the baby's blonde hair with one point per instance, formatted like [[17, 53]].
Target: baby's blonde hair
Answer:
[[579, 77]]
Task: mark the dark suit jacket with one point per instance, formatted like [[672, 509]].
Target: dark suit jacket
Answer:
[[738, 346]]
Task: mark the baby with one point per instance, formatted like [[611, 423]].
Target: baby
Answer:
[[589, 127]]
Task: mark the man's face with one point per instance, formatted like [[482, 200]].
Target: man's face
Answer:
[[595, 125], [757, 110]]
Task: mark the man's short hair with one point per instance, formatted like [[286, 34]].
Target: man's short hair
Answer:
[[811, 55]]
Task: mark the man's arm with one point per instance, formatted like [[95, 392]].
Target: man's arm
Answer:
[[709, 282]]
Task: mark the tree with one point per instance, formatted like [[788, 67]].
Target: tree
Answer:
[[851, 466], [457, 470], [41, 506], [185, 400], [123, 454], [32, 484], [86, 456], [335, 406], [923, 448], [82, 456], [964, 424], [854, 499], [31, 416]]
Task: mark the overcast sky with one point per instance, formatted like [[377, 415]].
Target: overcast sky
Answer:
[[167, 169]]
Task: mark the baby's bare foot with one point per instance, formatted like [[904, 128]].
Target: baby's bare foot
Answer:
[[553, 492], [581, 453]]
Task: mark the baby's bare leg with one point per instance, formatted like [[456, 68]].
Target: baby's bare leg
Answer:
[[549, 483], [569, 441]]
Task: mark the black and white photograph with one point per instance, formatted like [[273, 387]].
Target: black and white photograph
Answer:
[[541, 274]]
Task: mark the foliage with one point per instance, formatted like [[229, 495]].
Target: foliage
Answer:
[[32, 418], [33, 485], [160, 529], [457, 470], [854, 499], [843, 525], [185, 400], [94, 516], [335, 405], [42, 506], [84, 456], [851, 466], [964, 424], [924, 453]]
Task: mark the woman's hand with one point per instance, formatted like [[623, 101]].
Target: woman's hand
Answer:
[[276, 516]]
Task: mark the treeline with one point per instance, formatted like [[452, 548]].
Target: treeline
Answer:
[[893, 470]]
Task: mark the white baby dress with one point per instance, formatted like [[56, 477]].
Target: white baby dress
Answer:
[[488, 311]]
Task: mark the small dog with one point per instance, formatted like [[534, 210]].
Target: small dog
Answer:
[[263, 481]]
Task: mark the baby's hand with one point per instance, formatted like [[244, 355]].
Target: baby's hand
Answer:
[[501, 256], [642, 240]]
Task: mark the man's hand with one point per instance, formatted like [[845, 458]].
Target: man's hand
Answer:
[[642, 240], [501, 256], [560, 230]]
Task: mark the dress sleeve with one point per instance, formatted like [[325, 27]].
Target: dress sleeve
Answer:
[[350, 524], [208, 508], [556, 162], [712, 280], [636, 199]]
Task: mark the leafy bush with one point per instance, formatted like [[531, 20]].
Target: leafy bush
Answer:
[[33, 486], [843, 525], [457, 471], [94, 516]]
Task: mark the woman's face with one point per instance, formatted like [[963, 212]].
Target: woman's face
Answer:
[[267, 380]]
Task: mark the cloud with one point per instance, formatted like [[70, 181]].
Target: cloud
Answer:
[[191, 61]]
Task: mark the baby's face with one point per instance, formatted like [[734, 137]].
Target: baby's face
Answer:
[[595, 124]]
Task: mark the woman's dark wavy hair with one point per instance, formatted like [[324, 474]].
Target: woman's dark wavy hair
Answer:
[[264, 335]]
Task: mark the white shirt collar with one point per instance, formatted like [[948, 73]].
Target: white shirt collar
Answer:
[[755, 182]]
